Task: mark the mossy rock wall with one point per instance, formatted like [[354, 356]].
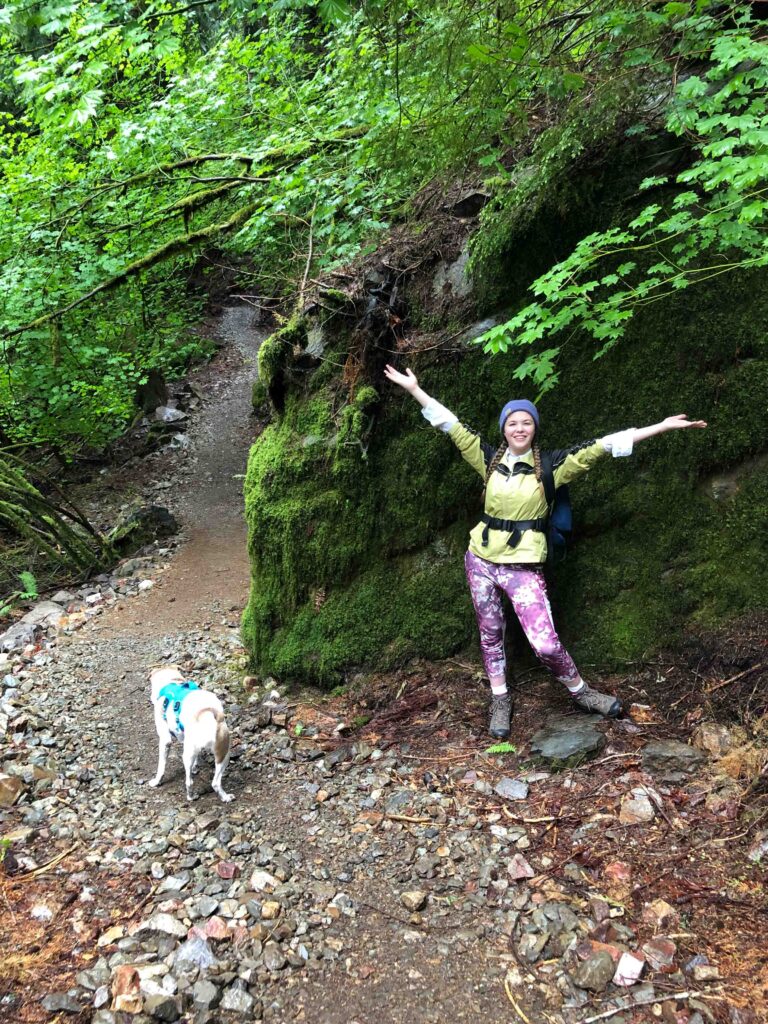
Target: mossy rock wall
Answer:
[[358, 511]]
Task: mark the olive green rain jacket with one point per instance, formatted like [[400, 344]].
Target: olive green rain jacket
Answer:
[[514, 493]]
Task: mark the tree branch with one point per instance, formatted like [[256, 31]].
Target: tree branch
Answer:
[[176, 245]]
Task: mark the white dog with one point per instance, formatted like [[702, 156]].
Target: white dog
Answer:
[[184, 711]]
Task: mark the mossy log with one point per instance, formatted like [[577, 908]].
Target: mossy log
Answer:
[[57, 530]]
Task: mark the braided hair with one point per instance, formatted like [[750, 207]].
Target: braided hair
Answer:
[[497, 457], [537, 459]]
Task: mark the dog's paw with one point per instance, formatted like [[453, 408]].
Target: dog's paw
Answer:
[[226, 797], [154, 783]]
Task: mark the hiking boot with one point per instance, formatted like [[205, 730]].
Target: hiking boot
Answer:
[[598, 703], [501, 712]]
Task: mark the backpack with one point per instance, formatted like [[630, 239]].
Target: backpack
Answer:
[[560, 519]]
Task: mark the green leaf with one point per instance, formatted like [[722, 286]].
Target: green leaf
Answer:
[[480, 54], [502, 748], [335, 12], [658, 179]]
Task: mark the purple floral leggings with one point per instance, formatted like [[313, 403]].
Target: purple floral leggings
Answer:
[[527, 591]]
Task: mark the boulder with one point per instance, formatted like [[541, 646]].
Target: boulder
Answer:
[[142, 526], [567, 741]]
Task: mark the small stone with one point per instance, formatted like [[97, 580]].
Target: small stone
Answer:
[[163, 1007], [519, 868], [759, 848], [270, 910], [216, 928], [62, 1002], [589, 947], [511, 789], [274, 958], [11, 788], [532, 945], [203, 907], [227, 869], [670, 760], [111, 935], [45, 613], [413, 900], [126, 990], [618, 875], [594, 974], [164, 924], [567, 741], [236, 1000], [705, 972], [262, 881], [628, 970], [205, 995], [636, 808], [93, 979], [660, 953], [195, 952], [716, 739], [659, 914], [100, 997]]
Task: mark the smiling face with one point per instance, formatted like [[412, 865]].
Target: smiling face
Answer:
[[519, 429]]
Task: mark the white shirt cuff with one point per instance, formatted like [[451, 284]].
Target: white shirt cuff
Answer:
[[438, 416], [619, 444]]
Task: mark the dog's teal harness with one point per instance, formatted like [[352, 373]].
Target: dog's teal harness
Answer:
[[173, 697]]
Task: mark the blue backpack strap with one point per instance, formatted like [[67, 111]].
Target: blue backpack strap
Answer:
[[548, 479], [559, 509]]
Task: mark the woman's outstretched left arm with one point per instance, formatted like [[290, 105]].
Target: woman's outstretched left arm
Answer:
[[624, 441], [678, 422]]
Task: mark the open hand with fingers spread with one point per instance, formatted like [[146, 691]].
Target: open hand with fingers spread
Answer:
[[406, 380], [680, 421]]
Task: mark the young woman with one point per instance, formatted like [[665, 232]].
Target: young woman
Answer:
[[508, 546]]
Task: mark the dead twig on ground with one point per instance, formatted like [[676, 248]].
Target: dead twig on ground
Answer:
[[511, 998], [143, 902], [639, 1002], [734, 679], [45, 867]]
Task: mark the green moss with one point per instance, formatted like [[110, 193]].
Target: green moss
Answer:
[[259, 394], [275, 355], [389, 613], [335, 297]]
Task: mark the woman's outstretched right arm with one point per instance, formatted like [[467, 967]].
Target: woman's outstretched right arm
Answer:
[[467, 441], [432, 411]]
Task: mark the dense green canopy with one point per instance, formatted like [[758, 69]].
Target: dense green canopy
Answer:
[[142, 141]]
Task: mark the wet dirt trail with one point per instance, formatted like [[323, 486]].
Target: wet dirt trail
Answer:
[[209, 576]]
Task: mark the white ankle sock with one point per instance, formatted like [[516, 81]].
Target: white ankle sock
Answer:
[[575, 686], [499, 691]]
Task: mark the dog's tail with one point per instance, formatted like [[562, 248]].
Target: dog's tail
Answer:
[[221, 740]]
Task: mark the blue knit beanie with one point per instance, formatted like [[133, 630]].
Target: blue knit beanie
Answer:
[[518, 405]]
